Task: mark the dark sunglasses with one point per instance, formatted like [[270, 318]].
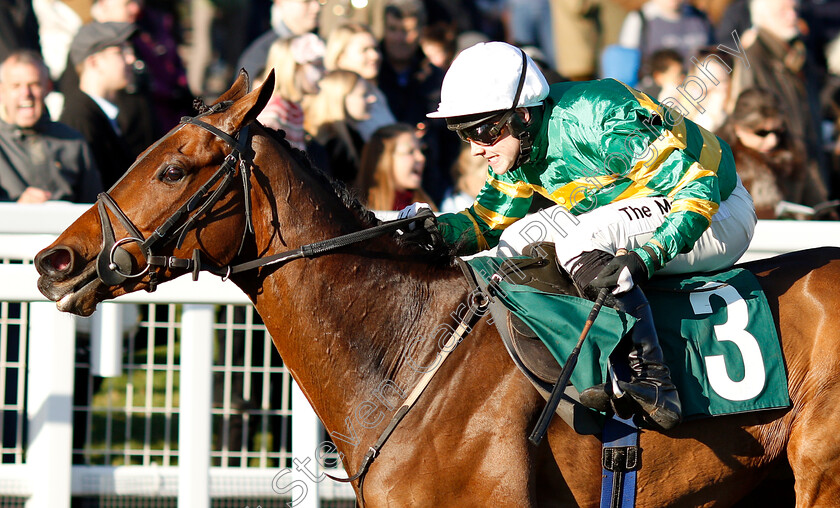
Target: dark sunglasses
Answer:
[[763, 133], [487, 133]]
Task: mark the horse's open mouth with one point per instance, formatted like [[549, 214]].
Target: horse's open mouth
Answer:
[[80, 295]]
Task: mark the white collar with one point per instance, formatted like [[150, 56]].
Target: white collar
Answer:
[[109, 108]]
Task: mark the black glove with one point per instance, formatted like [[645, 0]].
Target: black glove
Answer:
[[623, 272], [424, 231]]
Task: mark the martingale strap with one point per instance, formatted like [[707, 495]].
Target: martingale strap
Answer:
[[478, 306]]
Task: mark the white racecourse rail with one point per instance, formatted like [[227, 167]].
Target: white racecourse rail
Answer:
[[46, 477]]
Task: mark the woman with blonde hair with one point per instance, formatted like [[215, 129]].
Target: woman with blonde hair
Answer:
[[298, 65], [352, 46], [391, 171], [331, 116]]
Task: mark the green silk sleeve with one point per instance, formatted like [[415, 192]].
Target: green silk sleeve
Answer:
[[503, 200]]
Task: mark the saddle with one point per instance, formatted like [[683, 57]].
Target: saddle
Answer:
[[716, 330], [540, 271]]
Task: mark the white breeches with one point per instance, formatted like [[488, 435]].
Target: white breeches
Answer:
[[630, 224]]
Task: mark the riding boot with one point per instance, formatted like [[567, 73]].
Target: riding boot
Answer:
[[651, 388]]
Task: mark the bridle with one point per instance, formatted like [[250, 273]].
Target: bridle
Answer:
[[114, 263]]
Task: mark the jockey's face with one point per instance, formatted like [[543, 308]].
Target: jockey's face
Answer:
[[501, 155]]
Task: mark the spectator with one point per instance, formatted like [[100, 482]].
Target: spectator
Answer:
[[439, 44], [298, 67], [830, 100], [39, 159], [138, 111], [124, 11], [666, 24], [165, 77], [344, 99], [58, 22], [102, 58], [412, 86], [701, 96], [713, 68], [735, 18], [582, 30], [220, 30], [768, 161], [352, 47], [18, 27], [469, 174], [663, 71], [530, 25], [288, 18], [775, 58], [391, 172], [335, 13]]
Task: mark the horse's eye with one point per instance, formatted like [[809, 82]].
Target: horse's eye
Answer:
[[172, 174]]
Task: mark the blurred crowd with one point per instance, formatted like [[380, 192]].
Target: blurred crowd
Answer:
[[87, 85]]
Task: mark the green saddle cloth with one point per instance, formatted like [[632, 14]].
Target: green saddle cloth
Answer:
[[716, 331]]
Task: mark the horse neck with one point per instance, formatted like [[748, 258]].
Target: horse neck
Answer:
[[352, 327]]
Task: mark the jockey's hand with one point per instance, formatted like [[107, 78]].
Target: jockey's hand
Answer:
[[412, 210], [427, 235], [623, 272]]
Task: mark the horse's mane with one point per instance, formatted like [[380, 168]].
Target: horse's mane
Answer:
[[442, 254]]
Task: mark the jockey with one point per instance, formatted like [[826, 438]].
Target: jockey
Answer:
[[628, 177]]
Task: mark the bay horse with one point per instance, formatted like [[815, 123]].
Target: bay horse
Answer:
[[351, 325]]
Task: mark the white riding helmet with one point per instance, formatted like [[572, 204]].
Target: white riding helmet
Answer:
[[485, 78]]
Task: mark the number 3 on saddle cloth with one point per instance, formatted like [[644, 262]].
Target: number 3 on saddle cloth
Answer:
[[716, 332]]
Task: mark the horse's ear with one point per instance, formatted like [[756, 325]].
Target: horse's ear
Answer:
[[246, 109], [239, 88]]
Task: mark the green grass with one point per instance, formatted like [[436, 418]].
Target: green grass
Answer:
[[113, 394]]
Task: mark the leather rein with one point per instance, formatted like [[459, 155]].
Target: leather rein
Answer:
[[114, 263]]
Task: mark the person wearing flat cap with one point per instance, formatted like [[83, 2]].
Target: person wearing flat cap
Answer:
[[102, 57], [637, 188]]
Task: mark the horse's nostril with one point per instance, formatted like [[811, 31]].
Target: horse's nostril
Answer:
[[59, 260]]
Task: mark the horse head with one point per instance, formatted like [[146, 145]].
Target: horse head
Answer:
[[185, 202]]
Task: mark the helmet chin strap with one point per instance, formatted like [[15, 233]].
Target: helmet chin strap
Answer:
[[526, 145], [521, 131], [518, 128]]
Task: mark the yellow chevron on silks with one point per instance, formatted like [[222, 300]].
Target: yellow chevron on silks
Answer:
[[711, 153], [694, 172], [704, 207], [566, 195], [482, 242], [493, 219], [644, 100], [635, 190], [517, 190]]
